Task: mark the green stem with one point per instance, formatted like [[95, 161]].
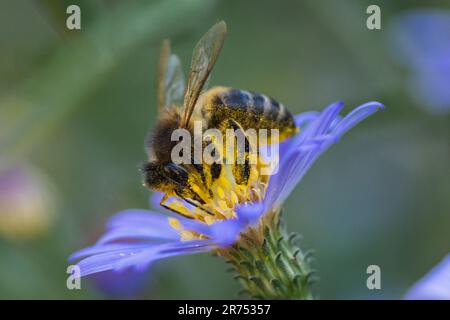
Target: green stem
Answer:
[[268, 263]]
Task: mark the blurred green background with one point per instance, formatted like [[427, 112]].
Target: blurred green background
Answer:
[[76, 106]]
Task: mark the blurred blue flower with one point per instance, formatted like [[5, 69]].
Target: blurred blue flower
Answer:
[[435, 285], [136, 238], [421, 39]]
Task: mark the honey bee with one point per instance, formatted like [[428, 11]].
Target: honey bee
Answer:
[[218, 107]]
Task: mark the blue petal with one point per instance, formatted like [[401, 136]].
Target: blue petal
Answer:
[[195, 225], [250, 214], [225, 233], [138, 257], [356, 116], [435, 285], [305, 117], [299, 153], [292, 169], [96, 249], [138, 224], [322, 123]]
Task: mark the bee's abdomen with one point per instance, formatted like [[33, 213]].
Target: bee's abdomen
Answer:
[[250, 109]]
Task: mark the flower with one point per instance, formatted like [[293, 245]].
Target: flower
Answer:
[[421, 40], [136, 238], [435, 285]]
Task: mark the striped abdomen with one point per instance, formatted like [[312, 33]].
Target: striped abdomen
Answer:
[[249, 109]]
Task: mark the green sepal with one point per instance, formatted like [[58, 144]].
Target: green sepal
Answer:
[[269, 264]]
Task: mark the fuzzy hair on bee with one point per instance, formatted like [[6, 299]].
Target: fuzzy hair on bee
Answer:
[[159, 144]]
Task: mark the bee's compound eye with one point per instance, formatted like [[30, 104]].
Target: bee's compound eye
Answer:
[[152, 175], [149, 168]]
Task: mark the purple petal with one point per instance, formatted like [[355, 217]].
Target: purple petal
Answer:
[[282, 183], [356, 116], [138, 257], [322, 123], [225, 233], [142, 224], [96, 249], [133, 217], [133, 234], [435, 285], [305, 117], [250, 214], [139, 224], [299, 153]]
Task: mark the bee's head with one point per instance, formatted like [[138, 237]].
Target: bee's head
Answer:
[[165, 177]]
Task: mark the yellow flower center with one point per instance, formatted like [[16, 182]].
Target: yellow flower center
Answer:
[[227, 195]]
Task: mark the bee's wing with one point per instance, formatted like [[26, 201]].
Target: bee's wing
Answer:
[[170, 82], [203, 59]]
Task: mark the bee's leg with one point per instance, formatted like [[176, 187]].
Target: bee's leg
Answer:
[[241, 171], [200, 170], [197, 205], [211, 170], [165, 206]]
